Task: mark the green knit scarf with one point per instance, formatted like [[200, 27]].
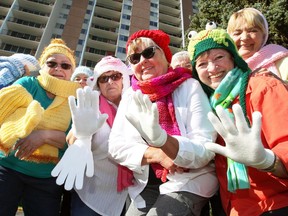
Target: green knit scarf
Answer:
[[224, 95]]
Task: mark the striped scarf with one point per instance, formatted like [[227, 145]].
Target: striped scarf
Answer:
[[224, 96]]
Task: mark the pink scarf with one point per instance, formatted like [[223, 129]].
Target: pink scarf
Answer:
[[125, 176], [160, 90], [266, 58]]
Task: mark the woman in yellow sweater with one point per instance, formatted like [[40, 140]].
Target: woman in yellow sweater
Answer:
[[34, 119]]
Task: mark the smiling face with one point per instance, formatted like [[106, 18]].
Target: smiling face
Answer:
[[147, 69], [213, 65], [58, 66], [248, 40], [112, 87], [249, 30]]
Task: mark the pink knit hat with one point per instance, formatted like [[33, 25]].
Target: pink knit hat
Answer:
[[109, 63], [159, 37]]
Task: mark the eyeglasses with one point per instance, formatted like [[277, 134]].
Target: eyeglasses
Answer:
[[52, 64], [114, 77], [146, 53]]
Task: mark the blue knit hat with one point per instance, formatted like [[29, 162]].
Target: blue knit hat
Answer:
[[82, 70], [12, 67]]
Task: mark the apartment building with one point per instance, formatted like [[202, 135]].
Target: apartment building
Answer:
[[93, 28]]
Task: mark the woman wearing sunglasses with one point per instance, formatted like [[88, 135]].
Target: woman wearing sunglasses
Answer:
[[159, 132], [35, 117], [97, 193]]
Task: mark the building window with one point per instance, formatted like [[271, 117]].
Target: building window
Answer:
[[125, 16], [128, 7], [153, 5], [123, 38], [121, 50], [152, 23], [86, 21], [59, 26], [125, 27], [153, 14], [56, 36], [77, 53], [65, 6]]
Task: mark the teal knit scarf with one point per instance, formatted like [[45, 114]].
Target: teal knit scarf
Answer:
[[224, 95]]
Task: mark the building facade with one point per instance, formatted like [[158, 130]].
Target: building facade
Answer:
[[93, 28]]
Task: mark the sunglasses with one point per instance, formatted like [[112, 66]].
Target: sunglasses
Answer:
[[52, 64], [114, 77], [146, 53]]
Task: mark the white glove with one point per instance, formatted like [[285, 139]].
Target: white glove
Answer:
[[144, 116], [71, 167], [243, 144], [86, 116], [86, 121]]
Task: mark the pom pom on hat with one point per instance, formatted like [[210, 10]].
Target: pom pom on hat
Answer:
[[12, 67], [159, 37], [57, 46], [82, 70], [109, 63], [214, 39]]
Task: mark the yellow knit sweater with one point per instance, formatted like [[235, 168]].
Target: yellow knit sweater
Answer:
[[20, 115]]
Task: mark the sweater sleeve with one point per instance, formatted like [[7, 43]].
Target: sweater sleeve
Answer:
[[11, 98], [269, 96]]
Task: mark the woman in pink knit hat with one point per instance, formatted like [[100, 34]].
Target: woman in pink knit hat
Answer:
[[97, 194], [159, 132], [249, 30]]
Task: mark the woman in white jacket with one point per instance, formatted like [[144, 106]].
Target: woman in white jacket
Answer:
[[95, 193], [159, 132]]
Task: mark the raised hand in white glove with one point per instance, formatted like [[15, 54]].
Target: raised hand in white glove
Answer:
[[243, 144], [86, 116], [144, 116], [87, 119]]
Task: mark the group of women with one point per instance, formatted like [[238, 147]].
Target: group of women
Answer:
[[150, 145]]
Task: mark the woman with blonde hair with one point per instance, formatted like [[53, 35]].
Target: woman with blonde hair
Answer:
[[249, 30], [160, 130], [252, 155]]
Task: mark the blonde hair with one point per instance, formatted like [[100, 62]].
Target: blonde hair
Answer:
[[252, 18]]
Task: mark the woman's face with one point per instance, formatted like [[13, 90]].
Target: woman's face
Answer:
[[248, 40], [213, 65], [59, 66], [182, 62], [111, 84], [81, 79], [148, 68]]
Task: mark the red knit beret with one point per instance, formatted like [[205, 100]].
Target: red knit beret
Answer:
[[159, 37]]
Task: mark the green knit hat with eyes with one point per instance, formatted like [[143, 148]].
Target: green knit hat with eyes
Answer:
[[218, 39], [214, 39]]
